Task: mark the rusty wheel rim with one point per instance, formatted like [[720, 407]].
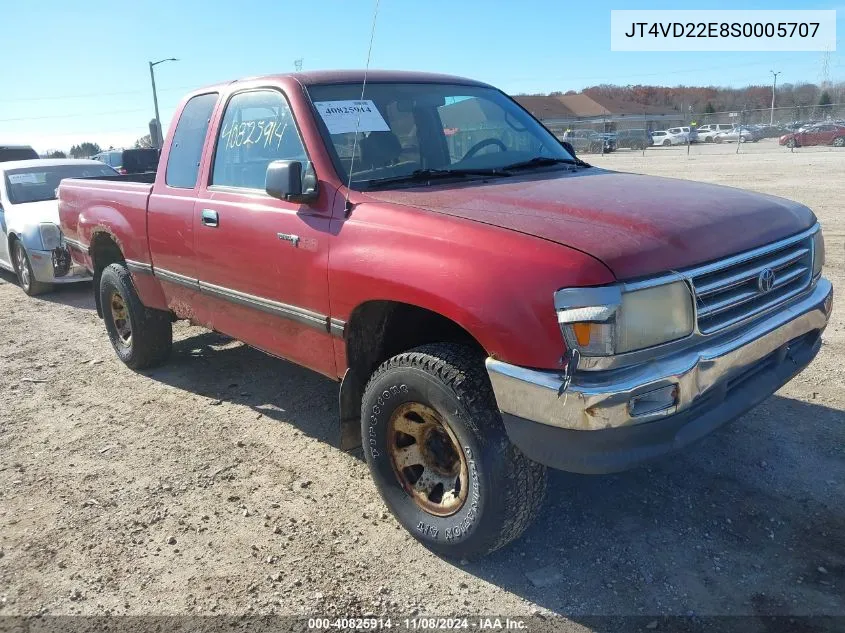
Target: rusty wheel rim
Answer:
[[427, 459], [120, 318]]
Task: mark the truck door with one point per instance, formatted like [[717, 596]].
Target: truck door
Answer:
[[263, 262], [170, 210]]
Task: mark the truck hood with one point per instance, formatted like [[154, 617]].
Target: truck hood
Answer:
[[637, 225]]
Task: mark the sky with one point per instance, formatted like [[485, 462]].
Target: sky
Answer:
[[78, 71]]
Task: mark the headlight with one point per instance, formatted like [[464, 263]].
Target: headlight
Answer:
[[51, 236], [818, 253], [609, 320]]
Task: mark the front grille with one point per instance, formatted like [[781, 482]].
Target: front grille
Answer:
[[729, 292]]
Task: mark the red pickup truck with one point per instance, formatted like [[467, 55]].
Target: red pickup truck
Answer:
[[490, 303]]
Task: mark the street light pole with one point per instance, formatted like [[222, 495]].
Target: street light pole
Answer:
[[774, 86], [157, 141]]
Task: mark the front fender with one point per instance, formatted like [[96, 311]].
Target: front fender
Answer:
[[28, 234], [495, 283]]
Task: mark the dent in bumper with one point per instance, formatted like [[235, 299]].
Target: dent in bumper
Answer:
[[42, 269]]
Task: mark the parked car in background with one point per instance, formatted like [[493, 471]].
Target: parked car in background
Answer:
[[769, 131], [130, 161], [586, 141], [739, 134], [820, 134], [16, 152], [668, 137], [488, 310], [706, 133], [633, 139], [610, 141], [31, 243], [691, 132]]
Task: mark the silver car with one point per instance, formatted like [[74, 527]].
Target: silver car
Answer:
[[736, 135], [31, 244]]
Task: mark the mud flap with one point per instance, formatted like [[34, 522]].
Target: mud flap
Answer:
[[351, 393]]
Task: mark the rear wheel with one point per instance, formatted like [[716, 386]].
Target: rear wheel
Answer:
[[29, 284], [440, 457], [141, 337], [667, 143]]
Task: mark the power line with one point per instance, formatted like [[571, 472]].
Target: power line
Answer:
[[94, 94], [72, 116], [650, 74]]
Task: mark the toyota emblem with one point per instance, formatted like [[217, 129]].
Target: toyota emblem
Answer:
[[766, 280]]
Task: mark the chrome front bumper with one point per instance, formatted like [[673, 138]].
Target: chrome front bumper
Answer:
[[600, 400]]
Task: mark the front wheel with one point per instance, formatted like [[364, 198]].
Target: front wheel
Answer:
[[791, 143], [141, 337], [667, 143], [440, 457], [839, 141], [26, 278]]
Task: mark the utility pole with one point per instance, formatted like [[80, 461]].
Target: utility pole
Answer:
[[774, 86], [157, 141]]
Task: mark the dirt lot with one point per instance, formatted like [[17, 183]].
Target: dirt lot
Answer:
[[213, 485]]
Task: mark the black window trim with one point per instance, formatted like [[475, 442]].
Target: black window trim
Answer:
[[251, 190], [210, 119]]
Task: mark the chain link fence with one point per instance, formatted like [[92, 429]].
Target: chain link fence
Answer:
[[799, 128]]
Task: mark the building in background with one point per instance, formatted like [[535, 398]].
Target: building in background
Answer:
[[578, 111]]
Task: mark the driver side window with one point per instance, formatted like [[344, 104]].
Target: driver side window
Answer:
[[257, 128]]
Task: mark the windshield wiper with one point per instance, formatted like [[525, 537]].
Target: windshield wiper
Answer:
[[425, 175], [543, 161]]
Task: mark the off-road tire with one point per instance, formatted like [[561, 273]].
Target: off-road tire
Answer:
[[151, 330], [505, 490], [23, 268]]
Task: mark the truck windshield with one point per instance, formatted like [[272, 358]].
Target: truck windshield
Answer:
[[35, 184], [419, 128]]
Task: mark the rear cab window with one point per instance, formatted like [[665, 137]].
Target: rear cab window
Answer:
[[183, 161]]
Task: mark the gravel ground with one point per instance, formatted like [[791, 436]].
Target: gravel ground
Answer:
[[213, 485]]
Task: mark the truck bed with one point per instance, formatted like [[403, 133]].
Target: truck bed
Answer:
[[119, 202]]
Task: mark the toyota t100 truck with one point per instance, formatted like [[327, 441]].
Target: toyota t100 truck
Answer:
[[490, 304]]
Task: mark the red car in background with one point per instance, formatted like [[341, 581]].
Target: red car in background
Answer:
[[821, 134]]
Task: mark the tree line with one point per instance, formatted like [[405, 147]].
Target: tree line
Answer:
[[719, 99], [89, 149]]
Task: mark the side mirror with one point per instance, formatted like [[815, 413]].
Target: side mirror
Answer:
[[284, 181], [568, 147]]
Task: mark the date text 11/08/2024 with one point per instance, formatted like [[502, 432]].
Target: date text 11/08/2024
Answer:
[[419, 624]]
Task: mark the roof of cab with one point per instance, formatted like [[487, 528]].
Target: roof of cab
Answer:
[[324, 77]]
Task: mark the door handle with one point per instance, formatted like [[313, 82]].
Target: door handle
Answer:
[[209, 217]]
